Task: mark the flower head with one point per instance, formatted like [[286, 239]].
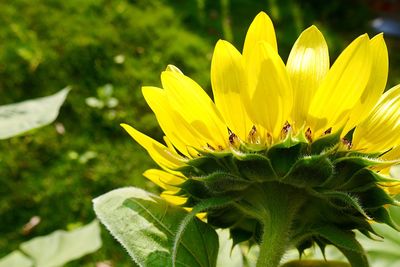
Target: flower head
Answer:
[[323, 134]]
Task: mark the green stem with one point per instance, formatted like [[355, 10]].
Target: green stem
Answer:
[[281, 205], [274, 243]]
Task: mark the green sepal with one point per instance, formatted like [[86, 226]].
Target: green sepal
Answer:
[[315, 263], [201, 166], [382, 215], [325, 142], [309, 171], [193, 190], [362, 180], [355, 259], [255, 167], [345, 168], [221, 182], [240, 234], [338, 237], [282, 158], [346, 242], [292, 140], [374, 198], [364, 161], [303, 246], [343, 201]]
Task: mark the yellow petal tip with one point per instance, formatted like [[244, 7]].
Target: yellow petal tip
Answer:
[[173, 68]]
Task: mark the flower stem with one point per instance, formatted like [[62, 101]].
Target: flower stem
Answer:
[[274, 243], [281, 207]]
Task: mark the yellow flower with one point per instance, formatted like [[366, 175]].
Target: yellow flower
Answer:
[[258, 99]]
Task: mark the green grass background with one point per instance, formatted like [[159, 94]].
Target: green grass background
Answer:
[[46, 45]]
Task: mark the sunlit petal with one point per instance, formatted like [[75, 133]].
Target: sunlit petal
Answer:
[[229, 84], [158, 152], [376, 83], [195, 106], [179, 131], [307, 65], [380, 130], [171, 198], [173, 68], [163, 179], [272, 97], [261, 29], [342, 87]]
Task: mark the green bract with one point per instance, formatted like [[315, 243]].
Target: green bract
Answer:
[[318, 192]]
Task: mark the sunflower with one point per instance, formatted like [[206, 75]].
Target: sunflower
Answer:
[[303, 145]]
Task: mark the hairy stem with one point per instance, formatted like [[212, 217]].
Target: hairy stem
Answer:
[[281, 205]]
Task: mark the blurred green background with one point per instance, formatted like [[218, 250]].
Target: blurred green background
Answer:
[[106, 50]]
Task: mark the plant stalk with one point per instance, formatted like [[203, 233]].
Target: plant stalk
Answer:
[[281, 207]]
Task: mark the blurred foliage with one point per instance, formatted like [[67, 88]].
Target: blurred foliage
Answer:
[[93, 45], [56, 249]]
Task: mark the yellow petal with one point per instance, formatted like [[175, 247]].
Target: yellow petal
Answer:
[[158, 152], [261, 29], [181, 134], [163, 179], [342, 87], [189, 99], [307, 65], [173, 68], [272, 97], [376, 83], [229, 84], [379, 132], [171, 198], [393, 154], [169, 144]]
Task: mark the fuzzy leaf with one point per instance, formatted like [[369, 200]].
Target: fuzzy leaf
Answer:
[[20, 117], [146, 225], [16, 259], [61, 247]]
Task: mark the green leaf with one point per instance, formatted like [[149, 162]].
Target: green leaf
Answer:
[[20, 117], [61, 247], [146, 226], [16, 259], [202, 206]]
